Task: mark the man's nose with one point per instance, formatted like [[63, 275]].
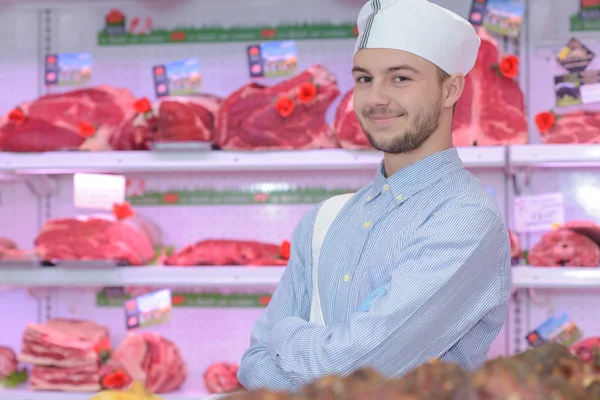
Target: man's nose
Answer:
[[378, 95]]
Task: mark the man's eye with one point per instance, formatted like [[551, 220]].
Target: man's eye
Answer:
[[364, 79], [400, 78]]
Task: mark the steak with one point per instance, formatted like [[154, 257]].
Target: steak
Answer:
[[221, 378], [52, 121], [173, 119], [226, 252], [81, 378], [150, 358], [491, 109], [63, 343], [8, 362], [578, 126], [564, 248], [93, 238], [249, 118], [346, 127]]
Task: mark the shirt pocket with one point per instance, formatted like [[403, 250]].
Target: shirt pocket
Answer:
[[366, 304]]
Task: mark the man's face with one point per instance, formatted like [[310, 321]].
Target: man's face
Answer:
[[397, 98]]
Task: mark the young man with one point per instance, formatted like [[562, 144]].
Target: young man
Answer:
[[416, 265]]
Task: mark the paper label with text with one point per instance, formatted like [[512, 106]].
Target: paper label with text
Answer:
[[539, 213], [98, 191]]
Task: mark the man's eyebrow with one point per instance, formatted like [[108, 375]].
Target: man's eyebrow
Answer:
[[394, 68]]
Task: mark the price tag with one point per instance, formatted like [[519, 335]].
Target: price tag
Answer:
[[560, 329], [98, 191], [72, 69], [273, 59], [539, 213], [178, 78], [148, 309]]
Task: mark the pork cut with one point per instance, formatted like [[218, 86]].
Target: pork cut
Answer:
[[172, 119], [491, 109], [93, 238], [79, 378], [580, 126], [249, 118], [225, 252], [8, 362], [564, 248], [221, 378], [515, 247], [346, 127], [52, 121], [150, 358], [63, 343]]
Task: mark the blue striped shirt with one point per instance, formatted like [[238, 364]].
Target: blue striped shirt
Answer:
[[415, 266]]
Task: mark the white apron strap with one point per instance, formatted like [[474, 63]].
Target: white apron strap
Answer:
[[325, 216]]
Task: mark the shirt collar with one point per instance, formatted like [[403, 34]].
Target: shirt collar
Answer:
[[417, 176]]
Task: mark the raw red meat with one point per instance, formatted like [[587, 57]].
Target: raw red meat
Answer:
[[221, 378], [515, 246], [578, 126], [249, 120], [224, 252], [80, 378], [52, 121], [63, 343], [8, 362], [174, 119], [585, 228], [564, 248], [151, 358], [491, 108], [349, 133], [93, 238]]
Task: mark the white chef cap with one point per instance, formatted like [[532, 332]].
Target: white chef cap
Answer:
[[422, 28]]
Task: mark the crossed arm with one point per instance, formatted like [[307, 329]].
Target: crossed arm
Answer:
[[448, 280]]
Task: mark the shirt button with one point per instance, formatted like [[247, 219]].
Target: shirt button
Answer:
[[399, 197], [369, 198], [386, 187], [346, 277], [367, 224]]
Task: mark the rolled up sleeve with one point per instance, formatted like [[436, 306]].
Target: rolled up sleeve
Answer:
[[452, 273]]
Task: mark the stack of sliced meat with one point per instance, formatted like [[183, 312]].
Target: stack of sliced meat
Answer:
[[149, 358], [65, 354], [8, 362], [227, 252]]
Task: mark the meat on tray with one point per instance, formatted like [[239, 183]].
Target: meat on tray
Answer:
[[226, 252], [491, 109], [79, 119], [564, 247], [170, 119], [80, 378], [8, 362], [221, 378], [151, 358], [63, 343], [287, 116], [579, 126], [10, 252], [346, 127], [93, 238]]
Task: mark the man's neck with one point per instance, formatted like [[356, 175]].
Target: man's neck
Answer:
[[436, 143]]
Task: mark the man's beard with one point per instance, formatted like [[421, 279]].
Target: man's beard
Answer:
[[425, 124]]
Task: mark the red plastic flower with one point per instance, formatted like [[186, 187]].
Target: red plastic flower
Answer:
[[142, 105], [284, 106], [122, 210], [307, 92], [86, 130], [17, 116], [116, 380], [509, 66], [284, 250], [545, 120]]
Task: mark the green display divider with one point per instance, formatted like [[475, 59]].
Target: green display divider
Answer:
[[198, 300]]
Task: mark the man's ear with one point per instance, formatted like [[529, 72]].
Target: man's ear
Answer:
[[454, 86]]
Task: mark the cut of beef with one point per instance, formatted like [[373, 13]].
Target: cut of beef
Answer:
[[349, 133], [491, 108], [8, 362], [580, 126], [52, 122], [150, 358], [173, 119], [93, 238], [224, 252], [81, 378], [221, 378], [515, 246], [63, 343], [564, 248], [286, 116]]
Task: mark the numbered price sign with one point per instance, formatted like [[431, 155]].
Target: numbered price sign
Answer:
[[539, 213]]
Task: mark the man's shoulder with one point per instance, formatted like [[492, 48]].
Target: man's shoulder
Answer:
[[465, 190]]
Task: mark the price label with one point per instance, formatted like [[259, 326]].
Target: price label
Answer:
[[148, 309], [70, 69], [539, 213], [559, 328], [179, 78], [273, 59], [98, 191]]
